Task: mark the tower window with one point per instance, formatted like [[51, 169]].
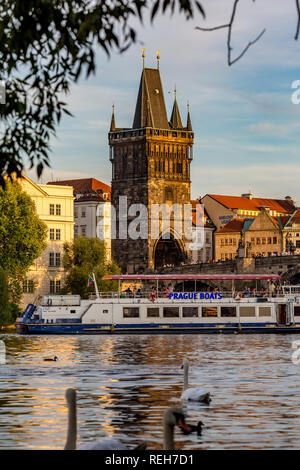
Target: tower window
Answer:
[[168, 194], [179, 167]]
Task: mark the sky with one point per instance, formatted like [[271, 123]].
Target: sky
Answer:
[[246, 126]]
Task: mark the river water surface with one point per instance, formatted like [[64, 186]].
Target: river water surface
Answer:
[[124, 384]]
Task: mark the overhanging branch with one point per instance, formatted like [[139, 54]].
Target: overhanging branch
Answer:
[[229, 26]]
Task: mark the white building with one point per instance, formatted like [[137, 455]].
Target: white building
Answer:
[[92, 209], [54, 206], [202, 236]]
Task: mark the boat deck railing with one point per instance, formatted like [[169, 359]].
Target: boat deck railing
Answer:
[[150, 295]]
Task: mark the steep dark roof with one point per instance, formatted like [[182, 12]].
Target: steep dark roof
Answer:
[[113, 124], [189, 122], [175, 121], [151, 101]]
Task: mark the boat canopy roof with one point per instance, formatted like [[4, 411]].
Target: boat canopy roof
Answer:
[[188, 277]]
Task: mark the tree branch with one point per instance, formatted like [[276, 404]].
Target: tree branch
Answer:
[[298, 23], [229, 26]]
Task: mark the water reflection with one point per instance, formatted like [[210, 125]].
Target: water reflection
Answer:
[[125, 383]]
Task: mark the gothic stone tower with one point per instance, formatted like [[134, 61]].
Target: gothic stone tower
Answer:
[[151, 165]]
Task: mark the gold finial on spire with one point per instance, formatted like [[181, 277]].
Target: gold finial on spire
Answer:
[[158, 57], [175, 91], [188, 106], [113, 108], [143, 56]]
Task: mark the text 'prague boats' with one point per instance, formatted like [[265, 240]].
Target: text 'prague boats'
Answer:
[[165, 311]]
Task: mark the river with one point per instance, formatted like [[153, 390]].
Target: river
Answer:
[[125, 382]]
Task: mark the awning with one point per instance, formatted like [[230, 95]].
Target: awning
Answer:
[[188, 277]]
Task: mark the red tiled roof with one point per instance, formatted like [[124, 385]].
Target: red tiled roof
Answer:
[[235, 225], [254, 204], [84, 185]]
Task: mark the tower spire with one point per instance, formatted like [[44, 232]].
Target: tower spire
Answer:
[[150, 100], [149, 121], [113, 124], [175, 121], [189, 122]]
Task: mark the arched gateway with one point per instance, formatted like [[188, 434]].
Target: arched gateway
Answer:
[[168, 252]]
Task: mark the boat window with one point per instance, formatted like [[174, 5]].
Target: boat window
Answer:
[[131, 312], [209, 311], [72, 311], [171, 311], [105, 311], [190, 311], [297, 311], [247, 311], [228, 311], [152, 312], [264, 311]]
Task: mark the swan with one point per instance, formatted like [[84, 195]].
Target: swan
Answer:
[[172, 417], [195, 393], [55, 358], [175, 417], [106, 444]]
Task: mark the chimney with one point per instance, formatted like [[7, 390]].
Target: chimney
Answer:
[[248, 195], [265, 208], [289, 200]]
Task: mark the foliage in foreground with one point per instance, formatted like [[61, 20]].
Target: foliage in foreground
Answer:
[[8, 310], [45, 47], [83, 257], [22, 236]]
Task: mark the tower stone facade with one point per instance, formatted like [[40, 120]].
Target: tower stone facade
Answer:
[[150, 165]]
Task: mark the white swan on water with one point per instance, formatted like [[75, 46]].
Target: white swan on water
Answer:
[[193, 393], [172, 417], [175, 417], [106, 444]]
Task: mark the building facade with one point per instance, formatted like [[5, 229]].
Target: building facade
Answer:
[[222, 209], [150, 165], [260, 236], [54, 206], [92, 209], [291, 234]]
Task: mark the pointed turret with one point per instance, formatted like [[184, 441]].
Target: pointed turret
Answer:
[[113, 124], [189, 122], [175, 121]]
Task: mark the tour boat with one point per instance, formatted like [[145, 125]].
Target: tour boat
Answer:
[[166, 312]]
